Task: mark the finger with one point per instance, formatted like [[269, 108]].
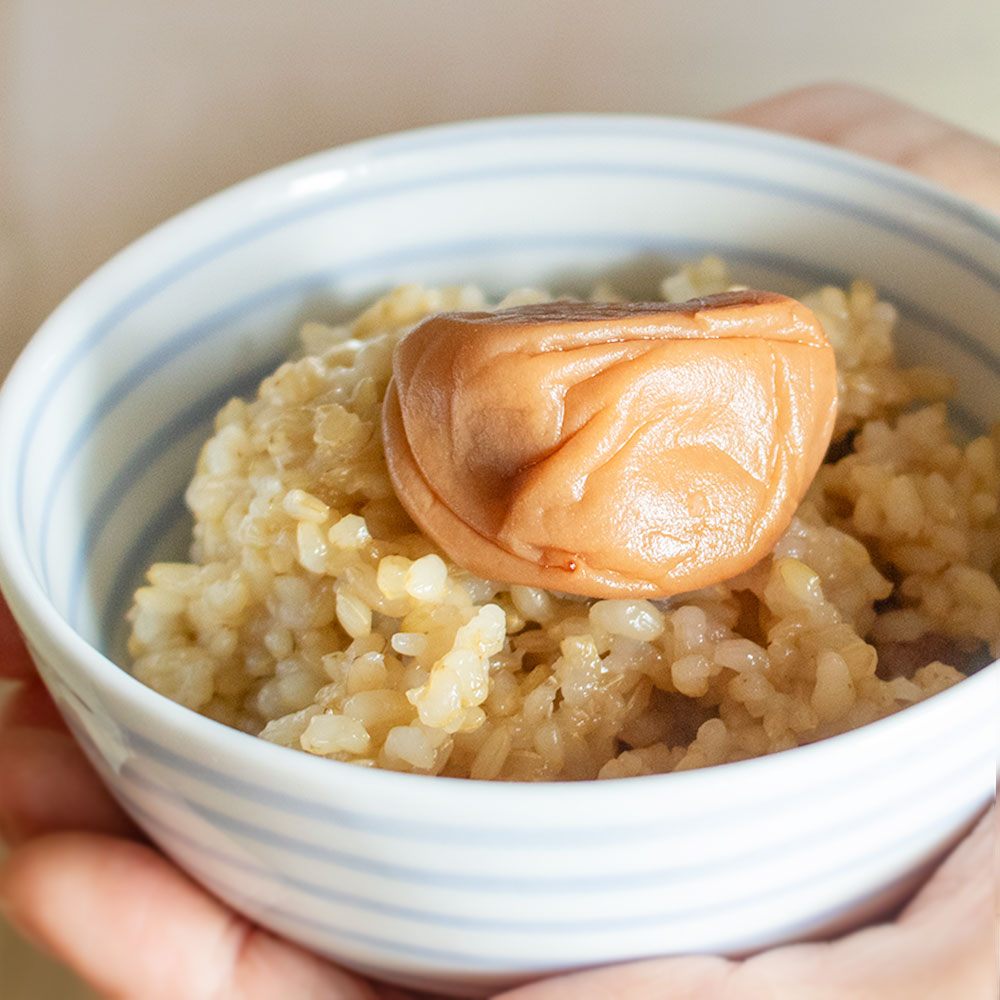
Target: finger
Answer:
[[15, 662], [886, 129], [29, 704], [943, 945], [700, 977], [966, 880], [48, 786], [134, 927]]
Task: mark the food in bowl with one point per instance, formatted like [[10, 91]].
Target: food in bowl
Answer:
[[614, 450], [315, 614]]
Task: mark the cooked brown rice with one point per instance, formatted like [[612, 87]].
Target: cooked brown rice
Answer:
[[314, 614]]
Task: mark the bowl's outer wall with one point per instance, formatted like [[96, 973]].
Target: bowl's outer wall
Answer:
[[434, 882]]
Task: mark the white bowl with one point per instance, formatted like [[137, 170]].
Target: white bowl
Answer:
[[439, 883]]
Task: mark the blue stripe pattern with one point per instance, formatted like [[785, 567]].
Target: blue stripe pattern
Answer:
[[623, 832], [339, 202], [199, 858], [201, 411], [727, 137], [675, 876], [176, 840], [238, 849]]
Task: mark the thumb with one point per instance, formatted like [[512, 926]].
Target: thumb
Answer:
[[883, 128], [136, 928]]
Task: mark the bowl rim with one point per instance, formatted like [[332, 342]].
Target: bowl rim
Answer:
[[36, 614]]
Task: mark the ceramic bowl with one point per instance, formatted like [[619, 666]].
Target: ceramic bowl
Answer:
[[452, 885]]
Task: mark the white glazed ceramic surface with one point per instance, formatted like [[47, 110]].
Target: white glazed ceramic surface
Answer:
[[456, 885]]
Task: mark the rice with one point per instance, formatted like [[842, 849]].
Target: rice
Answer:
[[315, 615]]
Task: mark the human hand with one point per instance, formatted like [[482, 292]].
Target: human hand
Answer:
[[874, 125], [82, 883]]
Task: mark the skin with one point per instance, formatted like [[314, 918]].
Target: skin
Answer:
[[81, 883]]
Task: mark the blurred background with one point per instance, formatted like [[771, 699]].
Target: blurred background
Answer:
[[114, 114]]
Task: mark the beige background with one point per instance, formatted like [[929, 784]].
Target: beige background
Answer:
[[116, 113]]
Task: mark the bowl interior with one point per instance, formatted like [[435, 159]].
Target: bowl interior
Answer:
[[106, 411]]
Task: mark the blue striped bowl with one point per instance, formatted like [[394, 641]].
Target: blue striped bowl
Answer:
[[455, 885]]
